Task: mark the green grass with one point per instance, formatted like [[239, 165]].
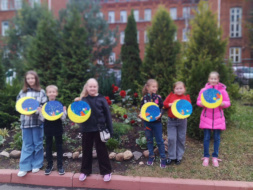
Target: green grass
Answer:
[[236, 152]]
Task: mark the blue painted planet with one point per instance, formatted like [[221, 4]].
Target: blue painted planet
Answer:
[[54, 108], [80, 108], [184, 107], [30, 105]]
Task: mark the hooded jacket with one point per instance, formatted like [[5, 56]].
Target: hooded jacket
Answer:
[[214, 118]]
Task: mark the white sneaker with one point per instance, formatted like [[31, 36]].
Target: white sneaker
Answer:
[[22, 173], [35, 170]]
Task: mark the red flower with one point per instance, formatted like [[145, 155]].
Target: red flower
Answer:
[[115, 88], [122, 93], [135, 95], [132, 121], [113, 85], [109, 102], [107, 98], [125, 116]]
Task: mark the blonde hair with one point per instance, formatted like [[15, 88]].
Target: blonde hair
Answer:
[[84, 93], [177, 83], [215, 73], [148, 83], [52, 86]]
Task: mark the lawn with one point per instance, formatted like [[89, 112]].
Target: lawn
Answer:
[[236, 152]]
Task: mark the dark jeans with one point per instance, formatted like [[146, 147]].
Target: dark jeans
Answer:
[[154, 129], [216, 144], [49, 144], [103, 157]]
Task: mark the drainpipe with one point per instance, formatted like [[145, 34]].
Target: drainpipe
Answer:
[[49, 4]]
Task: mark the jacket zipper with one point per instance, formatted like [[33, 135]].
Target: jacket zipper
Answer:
[[213, 113]]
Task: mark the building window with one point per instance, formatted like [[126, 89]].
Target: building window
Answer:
[[123, 16], [147, 15], [186, 12], [122, 37], [175, 37], [145, 37], [5, 27], [173, 13], [112, 58], [136, 15], [235, 54], [18, 4], [111, 17], [185, 33], [4, 5], [138, 38], [33, 2], [235, 22]]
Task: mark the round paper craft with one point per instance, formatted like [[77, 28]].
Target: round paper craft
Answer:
[[27, 105], [211, 98], [52, 110], [150, 111], [79, 112], [181, 109]]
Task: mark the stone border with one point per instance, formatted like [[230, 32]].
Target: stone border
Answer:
[[120, 182]]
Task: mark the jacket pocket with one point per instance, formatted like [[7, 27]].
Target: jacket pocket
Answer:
[[220, 112]]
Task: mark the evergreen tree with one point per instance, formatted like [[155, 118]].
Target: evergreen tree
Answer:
[[75, 57], [2, 75], [130, 57], [43, 53], [161, 52], [204, 53], [99, 36], [22, 29]]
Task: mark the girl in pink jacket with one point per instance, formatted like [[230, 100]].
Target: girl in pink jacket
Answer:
[[213, 119]]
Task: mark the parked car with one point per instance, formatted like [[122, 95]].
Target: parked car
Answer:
[[243, 74]]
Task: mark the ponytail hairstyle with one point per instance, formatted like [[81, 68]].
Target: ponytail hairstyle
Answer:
[[84, 93], [37, 82], [148, 83]]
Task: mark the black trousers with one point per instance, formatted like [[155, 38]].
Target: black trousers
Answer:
[[49, 144], [103, 157]]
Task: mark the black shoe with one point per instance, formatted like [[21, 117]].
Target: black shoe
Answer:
[[178, 162], [169, 161], [61, 171], [48, 170]]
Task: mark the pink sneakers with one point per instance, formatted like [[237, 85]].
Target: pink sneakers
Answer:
[[107, 177], [82, 177], [216, 162], [205, 161]]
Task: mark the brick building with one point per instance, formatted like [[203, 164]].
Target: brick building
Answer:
[[231, 16]]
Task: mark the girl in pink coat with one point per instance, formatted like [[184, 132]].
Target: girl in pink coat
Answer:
[[213, 119]]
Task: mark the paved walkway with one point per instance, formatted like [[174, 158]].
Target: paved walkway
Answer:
[[120, 182]]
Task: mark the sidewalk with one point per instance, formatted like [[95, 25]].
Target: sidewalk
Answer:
[[120, 182]]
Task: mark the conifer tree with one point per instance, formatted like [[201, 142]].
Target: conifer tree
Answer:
[[161, 52], [75, 57], [2, 76], [204, 53], [130, 57], [43, 53]]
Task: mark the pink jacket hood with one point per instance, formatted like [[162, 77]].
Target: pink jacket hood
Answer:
[[214, 118]]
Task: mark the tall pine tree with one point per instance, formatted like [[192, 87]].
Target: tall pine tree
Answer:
[[161, 52], [43, 54], [130, 57], [75, 57], [204, 53]]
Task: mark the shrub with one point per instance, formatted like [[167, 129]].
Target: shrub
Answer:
[[120, 129], [112, 144]]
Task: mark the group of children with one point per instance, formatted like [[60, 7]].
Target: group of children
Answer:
[[35, 126]]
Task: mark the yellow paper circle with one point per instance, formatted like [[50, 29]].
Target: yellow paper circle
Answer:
[[49, 117], [19, 106], [144, 108], [211, 105], [175, 111], [76, 118]]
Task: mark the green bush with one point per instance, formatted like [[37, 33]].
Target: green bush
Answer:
[[1, 140], [112, 144], [6, 119], [120, 129], [17, 140], [118, 111]]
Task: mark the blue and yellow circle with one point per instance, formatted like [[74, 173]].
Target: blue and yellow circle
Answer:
[[27, 105], [52, 110], [181, 109], [79, 111], [211, 98], [149, 111]]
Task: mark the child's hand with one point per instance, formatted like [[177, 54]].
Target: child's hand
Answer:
[[158, 117], [39, 109], [64, 108], [222, 104], [170, 104], [201, 104], [140, 116], [77, 99]]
